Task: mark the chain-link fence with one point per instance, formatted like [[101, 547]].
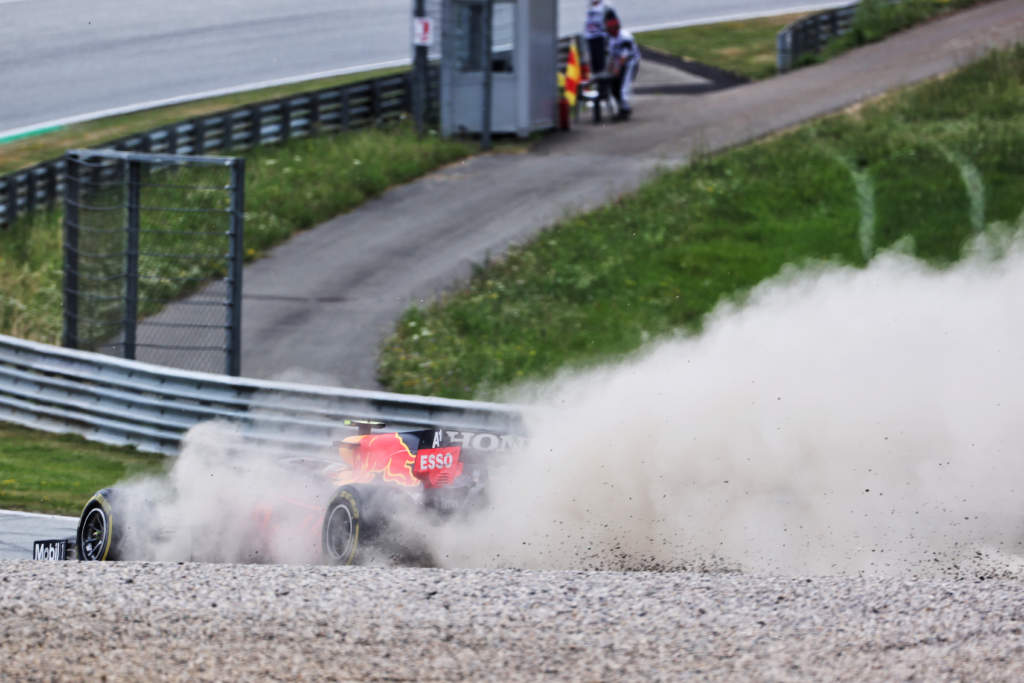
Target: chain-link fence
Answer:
[[142, 231]]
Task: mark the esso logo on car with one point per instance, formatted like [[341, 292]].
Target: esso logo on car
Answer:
[[436, 461]]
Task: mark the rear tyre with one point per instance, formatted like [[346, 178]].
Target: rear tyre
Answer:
[[99, 530], [348, 526]]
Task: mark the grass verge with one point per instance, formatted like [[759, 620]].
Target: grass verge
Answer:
[[913, 169], [56, 474], [748, 47], [744, 47]]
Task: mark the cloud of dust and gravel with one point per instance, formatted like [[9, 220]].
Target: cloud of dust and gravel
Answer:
[[839, 420], [226, 499]]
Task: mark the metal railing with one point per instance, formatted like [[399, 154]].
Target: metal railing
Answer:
[[122, 402], [808, 35], [322, 111]]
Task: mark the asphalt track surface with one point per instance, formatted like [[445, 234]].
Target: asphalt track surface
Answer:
[[65, 60], [19, 530]]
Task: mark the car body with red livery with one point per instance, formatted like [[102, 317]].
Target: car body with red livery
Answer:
[[385, 492]]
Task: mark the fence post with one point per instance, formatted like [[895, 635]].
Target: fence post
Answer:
[[286, 120], [51, 183], [345, 110], [418, 78], [784, 50], [314, 114], [198, 136], [375, 101], [485, 135], [71, 192], [172, 139], [131, 265], [30, 190], [236, 252], [12, 198], [255, 126]]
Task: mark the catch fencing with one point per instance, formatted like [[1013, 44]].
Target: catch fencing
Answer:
[[329, 110], [130, 403], [140, 230], [809, 35]]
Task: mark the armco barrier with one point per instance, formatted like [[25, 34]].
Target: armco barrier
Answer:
[[808, 35], [122, 402], [323, 111]]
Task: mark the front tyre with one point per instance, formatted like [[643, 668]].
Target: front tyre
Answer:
[[99, 531]]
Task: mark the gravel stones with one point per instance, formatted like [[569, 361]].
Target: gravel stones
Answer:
[[154, 621]]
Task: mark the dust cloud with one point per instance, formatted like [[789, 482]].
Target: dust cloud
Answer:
[[838, 420], [226, 499]]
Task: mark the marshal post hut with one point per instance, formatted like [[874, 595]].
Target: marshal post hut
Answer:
[[508, 48]]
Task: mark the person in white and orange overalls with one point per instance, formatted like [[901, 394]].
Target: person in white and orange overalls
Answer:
[[623, 65]]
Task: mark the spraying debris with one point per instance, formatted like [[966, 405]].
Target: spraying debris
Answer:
[[838, 420], [227, 500]]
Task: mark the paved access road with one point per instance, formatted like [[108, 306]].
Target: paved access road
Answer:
[[63, 60], [361, 270]]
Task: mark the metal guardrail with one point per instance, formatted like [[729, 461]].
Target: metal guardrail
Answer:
[[124, 402], [808, 35], [322, 111]]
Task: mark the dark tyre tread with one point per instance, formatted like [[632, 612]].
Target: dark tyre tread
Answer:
[[98, 537]]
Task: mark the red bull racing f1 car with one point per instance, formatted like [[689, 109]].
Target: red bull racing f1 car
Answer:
[[373, 486]]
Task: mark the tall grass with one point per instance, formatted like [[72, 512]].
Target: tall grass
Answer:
[[600, 285]]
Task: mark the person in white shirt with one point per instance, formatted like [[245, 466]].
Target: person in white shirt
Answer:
[[623, 65], [595, 35]]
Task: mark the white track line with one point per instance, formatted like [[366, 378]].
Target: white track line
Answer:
[[742, 16], [19, 513]]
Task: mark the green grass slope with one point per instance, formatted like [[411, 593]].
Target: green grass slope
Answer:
[[924, 170]]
